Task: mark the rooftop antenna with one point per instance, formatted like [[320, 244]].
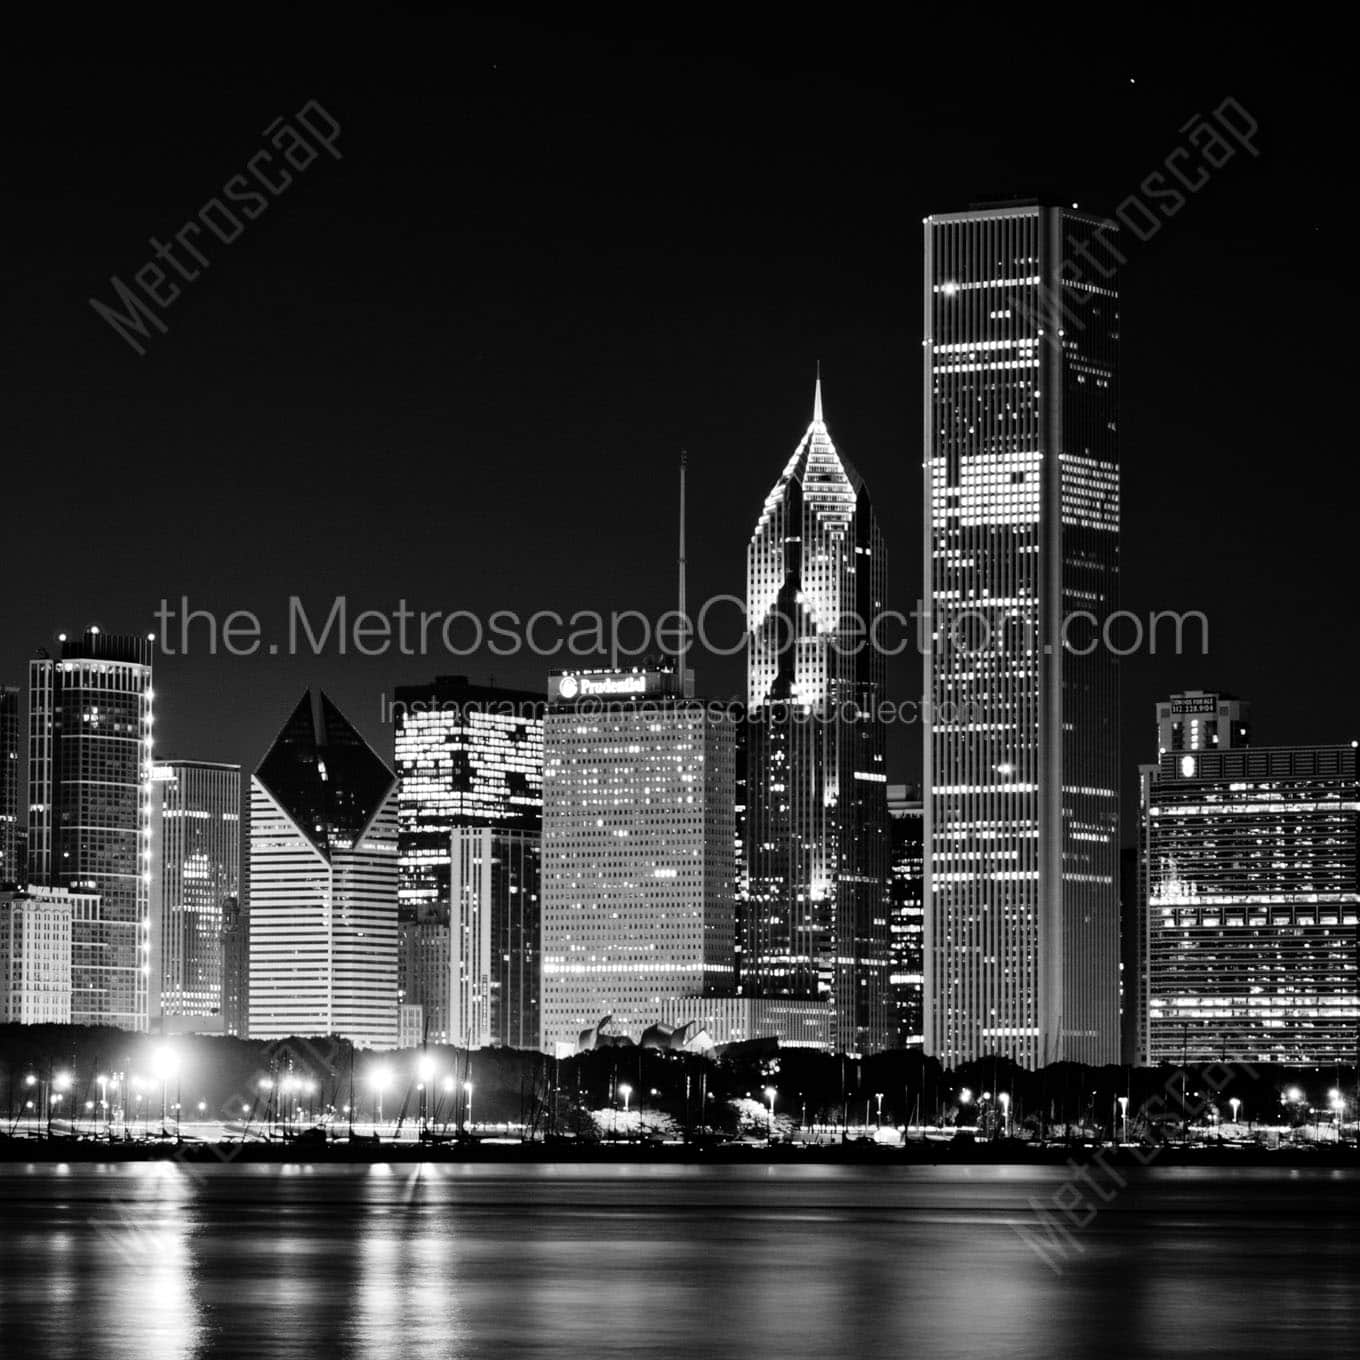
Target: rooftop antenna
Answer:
[[684, 616], [817, 397]]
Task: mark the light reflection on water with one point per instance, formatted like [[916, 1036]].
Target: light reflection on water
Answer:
[[160, 1261]]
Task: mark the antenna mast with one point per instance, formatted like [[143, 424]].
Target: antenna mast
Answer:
[[684, 616]]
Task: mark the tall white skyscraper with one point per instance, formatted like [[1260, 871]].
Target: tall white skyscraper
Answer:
[[89, 816], [817, 846], [323, 884], [638, 833], [195, 874], [1021, 567]]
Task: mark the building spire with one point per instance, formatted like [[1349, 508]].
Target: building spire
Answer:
[[817, 397]]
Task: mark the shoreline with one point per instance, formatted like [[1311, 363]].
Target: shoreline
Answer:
[[853, 1153]]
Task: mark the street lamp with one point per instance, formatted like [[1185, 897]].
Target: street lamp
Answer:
[[1338, 1105], [1124, 1115], [878, 1096], [770, 1094], [467, 1106], [381, 1079], [166, 1066], [425, 1070], [1236, 1105], [1005, 1100], [60, 1084]]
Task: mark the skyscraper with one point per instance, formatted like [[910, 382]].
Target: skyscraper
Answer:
[[89, 770], [907, 925], [195, 873], [1021, 567], [638, 834], [468, 757], [36, 928], [235, 969], [11, 820], [323, 884], [1250, 869], [817, 841], [494, 932]]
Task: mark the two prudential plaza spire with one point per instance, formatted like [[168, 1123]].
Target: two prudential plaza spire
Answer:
[[1020, 775]]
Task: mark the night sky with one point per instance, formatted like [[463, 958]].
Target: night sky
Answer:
[[456, 366]]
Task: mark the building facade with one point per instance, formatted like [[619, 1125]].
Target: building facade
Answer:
[[89, 769], [637, 851], [907, 924], [1021, 769], [12, 823], [739, 1019], [1251, 899], [235, 968], [323, 884], [195, 875], [36, 930], [494, 933], [467, 756], [815, 919]]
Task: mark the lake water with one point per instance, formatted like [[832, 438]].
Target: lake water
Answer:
[[161, 1260]]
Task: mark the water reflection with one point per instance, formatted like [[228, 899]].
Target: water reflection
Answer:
[[383, 1262]]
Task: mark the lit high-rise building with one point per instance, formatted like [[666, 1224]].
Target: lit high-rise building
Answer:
[[815, 922], [195, 873], [1250, 875], [494, 937], [907, 924], [36, 929], [89, 815], [638, 834], [1021, 777], [11, 813], [235, 969], [323, 884], [467, 756]]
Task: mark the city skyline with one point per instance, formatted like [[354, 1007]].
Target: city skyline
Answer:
[[443, 907], [841, 289]]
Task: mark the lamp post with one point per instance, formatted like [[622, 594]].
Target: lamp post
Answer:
[[267, 1086], [1124, 1115], [167, 1066], [61, 1083], [1236, 1105], [467, 1104], [1005, 1100], [381, 1079], [425, 1070], [770, 1094]]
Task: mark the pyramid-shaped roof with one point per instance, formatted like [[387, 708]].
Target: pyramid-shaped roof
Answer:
[[324, 775]]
